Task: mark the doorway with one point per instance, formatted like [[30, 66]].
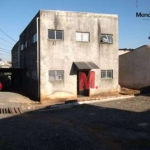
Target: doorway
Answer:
[[83, 83]]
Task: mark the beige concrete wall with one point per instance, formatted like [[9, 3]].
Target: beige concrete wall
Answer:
[[61, 54], [134, 68]]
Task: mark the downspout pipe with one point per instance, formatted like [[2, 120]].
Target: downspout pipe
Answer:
[[38, 60]]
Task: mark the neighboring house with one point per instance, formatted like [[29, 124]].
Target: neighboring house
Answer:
[[67, 54], [14, 55], [5, 64], [124, 51], [1, 63], [134, 68]]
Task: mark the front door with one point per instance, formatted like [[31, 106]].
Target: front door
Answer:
[[85, 81]]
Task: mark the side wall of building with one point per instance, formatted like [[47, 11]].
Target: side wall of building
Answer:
[[14, 56], [60, 54], [134, 68], [28, 58]]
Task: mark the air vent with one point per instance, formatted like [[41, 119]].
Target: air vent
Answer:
[[14, 110]]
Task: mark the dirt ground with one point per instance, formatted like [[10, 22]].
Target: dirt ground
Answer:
[[114, 125]]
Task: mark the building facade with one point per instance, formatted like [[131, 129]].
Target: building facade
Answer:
[[134, 68], [67, 54]]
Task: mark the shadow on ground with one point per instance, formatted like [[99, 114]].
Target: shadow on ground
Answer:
[[83, 127]]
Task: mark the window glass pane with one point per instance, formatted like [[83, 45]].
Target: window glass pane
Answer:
[[56, 75], [51, 34], [85, 37], [109, 73], [59, 75], [51, 75], [35, 38], [22, 46], [59, 35], [110, 39], [103, 74], [78, 36], [105, 38]]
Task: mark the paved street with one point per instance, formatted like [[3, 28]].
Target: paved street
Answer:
[[114, 125]]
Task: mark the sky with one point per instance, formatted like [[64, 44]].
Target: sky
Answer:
[[15, 15]]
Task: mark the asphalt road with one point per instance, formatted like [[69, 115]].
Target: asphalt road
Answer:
[[115, 125]]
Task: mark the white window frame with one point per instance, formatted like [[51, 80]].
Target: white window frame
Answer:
[[105, 74], [82, 36], [106, 38], [56, 75], [55, 34]]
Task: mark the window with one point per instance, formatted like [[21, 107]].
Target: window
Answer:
[[26, 44], [34, 38], [82, 36], [106, 74], [55, 75], [106, 38], [55, 34], [22, 47]]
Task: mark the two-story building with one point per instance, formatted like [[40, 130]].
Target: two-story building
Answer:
[[67, 54]]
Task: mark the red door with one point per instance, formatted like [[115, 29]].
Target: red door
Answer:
[[86, 80]]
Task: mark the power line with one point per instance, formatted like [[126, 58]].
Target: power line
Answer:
[[5, 49], [5, 41], [4, 54], [7, 35], [5, 45]]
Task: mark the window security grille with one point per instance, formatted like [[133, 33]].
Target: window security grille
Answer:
[[106, 74], [82, 36], [56, 75]]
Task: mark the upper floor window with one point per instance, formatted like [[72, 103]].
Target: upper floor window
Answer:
[[106, 74], [106, 38], [26, 44], [34, 38], [22, 47], [83, 36], [55, 34]]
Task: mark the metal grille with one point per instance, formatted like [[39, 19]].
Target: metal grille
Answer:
[[56, 75], [81, 36], [16, 110], [106, 74]]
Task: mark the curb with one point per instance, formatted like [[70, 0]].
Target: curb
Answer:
[[68, 105]]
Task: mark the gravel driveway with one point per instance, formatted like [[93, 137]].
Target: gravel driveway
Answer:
[[115, 125]]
